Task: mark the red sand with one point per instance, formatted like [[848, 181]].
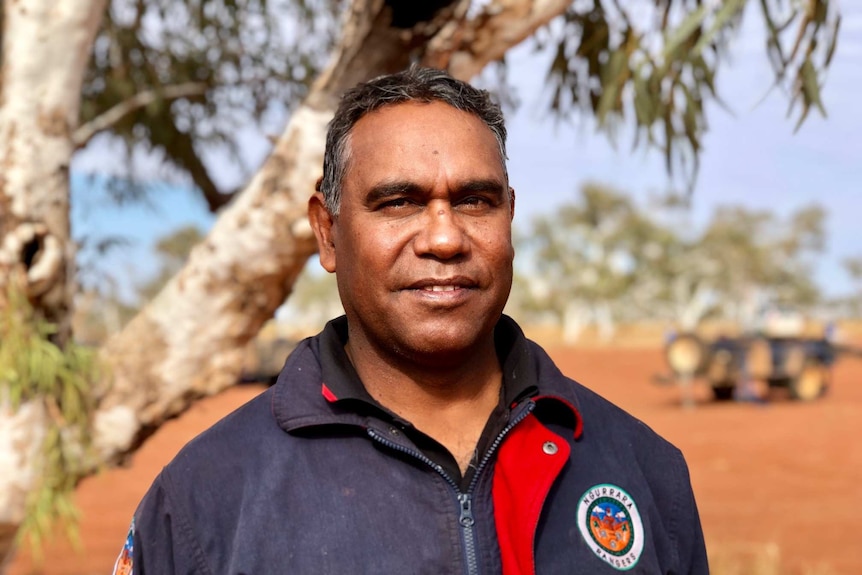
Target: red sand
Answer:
[[783, 475]]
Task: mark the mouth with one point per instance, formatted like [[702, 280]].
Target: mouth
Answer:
[[442, 285], [440, 288]]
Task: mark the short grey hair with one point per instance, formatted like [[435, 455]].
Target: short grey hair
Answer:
[[416, 84]]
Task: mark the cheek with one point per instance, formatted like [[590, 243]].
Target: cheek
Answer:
[[505, 256], [374, 248], [496, 241]]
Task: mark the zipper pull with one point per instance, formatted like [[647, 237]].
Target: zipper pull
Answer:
[[466, 518]]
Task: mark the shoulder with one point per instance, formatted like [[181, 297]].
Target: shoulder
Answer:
[[234, 436], [236, 452], [601, 416], [610, 433], [617, 447], [199, 494]]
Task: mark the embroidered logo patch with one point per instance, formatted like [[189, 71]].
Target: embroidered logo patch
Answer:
[[611, 525], [124, 564]]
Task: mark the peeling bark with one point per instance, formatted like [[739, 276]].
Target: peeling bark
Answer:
[[22, 432], [46, 47], [464, 47]]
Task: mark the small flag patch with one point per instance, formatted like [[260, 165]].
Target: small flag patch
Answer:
[[125, 561]]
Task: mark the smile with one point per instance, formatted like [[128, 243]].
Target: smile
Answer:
[[448, 284]]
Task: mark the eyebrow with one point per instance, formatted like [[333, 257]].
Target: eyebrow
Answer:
[[492, 185], [385, 190]]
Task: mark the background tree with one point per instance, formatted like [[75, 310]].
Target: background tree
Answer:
[[602, 259], [761, 258], [171, 253], [314, 301], [170, 76], [853, 267], [675, 282], [583, 253]]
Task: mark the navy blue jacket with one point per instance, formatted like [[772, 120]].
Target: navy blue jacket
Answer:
[[297, 481]]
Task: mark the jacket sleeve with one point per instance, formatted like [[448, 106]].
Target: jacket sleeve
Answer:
[[164, 542], [692, 549]]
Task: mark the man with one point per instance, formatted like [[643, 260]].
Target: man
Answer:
[[420, 433]]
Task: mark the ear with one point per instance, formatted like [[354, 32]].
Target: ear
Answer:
[[512, 202], [322, 223]]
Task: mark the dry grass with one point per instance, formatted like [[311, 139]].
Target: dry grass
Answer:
[[652, 334], [757, 559]]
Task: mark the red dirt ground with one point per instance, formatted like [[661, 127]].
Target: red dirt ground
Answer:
[[782, 478]]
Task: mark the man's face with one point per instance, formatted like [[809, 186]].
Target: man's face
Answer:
[[422, 246]]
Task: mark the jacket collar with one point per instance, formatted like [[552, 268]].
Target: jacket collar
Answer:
[[318, 385]]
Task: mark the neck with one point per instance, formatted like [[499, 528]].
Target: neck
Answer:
[[447, 400], [394, 380]]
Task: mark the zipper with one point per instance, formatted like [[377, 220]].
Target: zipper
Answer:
[[380, 438], [466, 520], [521, 416], [465, 500]]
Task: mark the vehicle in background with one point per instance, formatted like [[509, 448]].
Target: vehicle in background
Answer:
[[777, 354]]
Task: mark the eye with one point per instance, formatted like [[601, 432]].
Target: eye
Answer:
[[397, 202], [394, 203], [397, 205], [475, 203]]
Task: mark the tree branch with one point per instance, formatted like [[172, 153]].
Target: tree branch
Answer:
[[180, 149], [464, 47], [104, 121]]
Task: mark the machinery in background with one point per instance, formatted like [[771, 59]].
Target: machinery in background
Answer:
[[776, 355]]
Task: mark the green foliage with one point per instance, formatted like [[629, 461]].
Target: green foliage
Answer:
[[33, 368], [760, 250], [214, 66], [172, 251], [853, 303], [854, 268], [659, 68], [585, 245], [604, 253], [101, 312]]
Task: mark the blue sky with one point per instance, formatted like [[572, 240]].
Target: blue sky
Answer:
[[751, 157]]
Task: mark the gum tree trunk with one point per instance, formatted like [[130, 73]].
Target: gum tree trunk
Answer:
[[46, 45]]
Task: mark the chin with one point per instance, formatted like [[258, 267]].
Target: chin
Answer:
[[447, 338]]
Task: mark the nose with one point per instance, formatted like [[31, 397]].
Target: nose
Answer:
[[442, 235]]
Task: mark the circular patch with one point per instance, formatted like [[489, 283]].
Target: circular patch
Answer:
[[611, 525]]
